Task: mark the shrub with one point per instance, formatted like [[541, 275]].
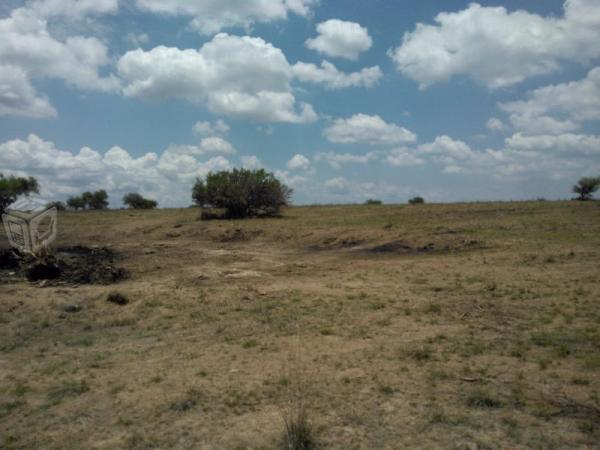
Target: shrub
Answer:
[[11, 187], [373, 201], [136, 201], [586, 187], [416, 201], [242, 193], [89, 200]]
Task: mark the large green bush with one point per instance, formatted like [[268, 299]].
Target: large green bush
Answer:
[[242, 193], [11, 187]]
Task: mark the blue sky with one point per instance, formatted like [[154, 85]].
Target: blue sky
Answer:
[[344, 100]]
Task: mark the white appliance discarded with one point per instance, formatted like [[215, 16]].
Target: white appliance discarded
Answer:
[[30, 225]]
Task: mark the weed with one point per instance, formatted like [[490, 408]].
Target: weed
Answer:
[[421, 354], [250, 343], [58, 393], [434, 308], [386, 389], [189, 401], [298, 434], [480, 398], [7, 408]]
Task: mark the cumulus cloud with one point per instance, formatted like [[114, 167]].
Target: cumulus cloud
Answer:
[[337, 185], [403, 157], [212, 16], [571, 104], [547, 156], [206, 146], [19, 98], [251, 162], [208, 129], [568, 144], [167, 177], [28, 51], [365, 129], [341, 39], [74, 8], [337, 160], [332, 78], [298, 162], [241, 77], [499, 48], [495, 124]]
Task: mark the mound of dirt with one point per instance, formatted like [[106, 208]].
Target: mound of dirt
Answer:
[[72, 265]]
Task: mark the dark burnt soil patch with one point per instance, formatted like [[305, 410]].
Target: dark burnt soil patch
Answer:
[[237, 235], [399, 246], [66, 265], [402, 247], [333, 243]]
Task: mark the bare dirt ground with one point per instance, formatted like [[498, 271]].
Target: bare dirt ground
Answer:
[[432, 326]]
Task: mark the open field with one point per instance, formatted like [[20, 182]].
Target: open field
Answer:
[[432, 326]]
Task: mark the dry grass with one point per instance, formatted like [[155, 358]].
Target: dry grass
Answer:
[[437, 326]]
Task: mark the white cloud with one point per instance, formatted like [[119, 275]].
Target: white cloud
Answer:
[[28, 51], [26, 43], [571, 103], [212, 16], [568, 144], [445, 146], [206, 146], [167, 177], [365, 129], [336, 160], [337, 185], [19, 98], [242, 77], [298, 162], [292, 180], [251, 162], [136, 40], [545, 156], [74, 8], [332, 78], [496, 47], [495, 124], [403, 157], [341, 39], [208, 129]]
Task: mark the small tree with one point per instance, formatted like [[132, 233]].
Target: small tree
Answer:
[[99, 200], [11, 187], [136, 201], [89, 200], [242, 193], [586, 187], [76, 203], [60, 206], [373, 201], [416, 201]]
